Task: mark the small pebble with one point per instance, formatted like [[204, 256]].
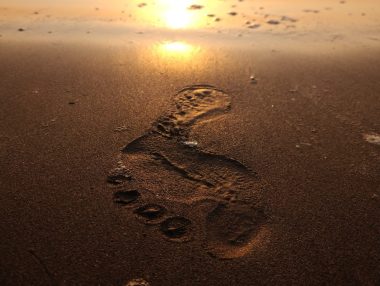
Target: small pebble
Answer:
[[119, 175], [254, 26], [253, 79], [273, 22], [191, 144], [195, 7], [372, 138], [286, 18], [138, 282]]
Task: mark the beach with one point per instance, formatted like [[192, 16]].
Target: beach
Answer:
[[190, 157]]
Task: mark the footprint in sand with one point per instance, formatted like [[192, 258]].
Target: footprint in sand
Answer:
[[218, 198]]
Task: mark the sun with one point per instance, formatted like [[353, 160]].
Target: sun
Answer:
[[175, 13], [177, 19]]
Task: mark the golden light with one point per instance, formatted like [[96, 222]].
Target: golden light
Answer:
[[175, 14], [177, 47], [177, 19], [177, 50]]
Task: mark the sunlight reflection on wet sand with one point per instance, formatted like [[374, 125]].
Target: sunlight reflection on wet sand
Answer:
[[237, 22]]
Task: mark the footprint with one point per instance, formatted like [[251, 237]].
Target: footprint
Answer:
[[161, 162]]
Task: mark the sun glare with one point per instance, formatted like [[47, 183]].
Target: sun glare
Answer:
[[177, 19], [177, 50], [175, 14], [177, 47]]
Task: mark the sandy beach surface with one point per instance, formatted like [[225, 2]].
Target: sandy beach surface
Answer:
[[139, 149]]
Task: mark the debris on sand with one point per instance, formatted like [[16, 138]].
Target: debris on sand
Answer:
[[21, 30], [138, 282], [191, 144], [254, 26], [288, 19], [311, 11], [253, 79], [141, 5], [119, 175], [273, 22], [372, 138], [232, 13], [195, 7]]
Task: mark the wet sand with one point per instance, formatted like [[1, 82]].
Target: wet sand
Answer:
[[194, 163], [300, 128]]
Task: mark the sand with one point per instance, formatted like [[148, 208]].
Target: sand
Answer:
[[137, 159]]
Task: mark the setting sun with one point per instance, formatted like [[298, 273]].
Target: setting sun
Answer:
[[175, 14], [177, 19]]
